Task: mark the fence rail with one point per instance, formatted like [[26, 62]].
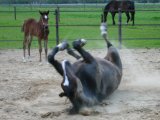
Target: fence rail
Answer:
[[5, 11]]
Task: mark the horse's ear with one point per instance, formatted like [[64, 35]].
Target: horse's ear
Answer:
[[40, 12], [47, 12]]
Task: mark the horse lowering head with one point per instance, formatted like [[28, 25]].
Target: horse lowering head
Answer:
[[44, 18], [126, 6]]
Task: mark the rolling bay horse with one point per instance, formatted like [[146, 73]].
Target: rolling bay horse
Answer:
[[40, 29], [89, 81], [126, 6]]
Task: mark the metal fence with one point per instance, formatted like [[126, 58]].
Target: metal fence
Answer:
[[57, 12], [119, 25]]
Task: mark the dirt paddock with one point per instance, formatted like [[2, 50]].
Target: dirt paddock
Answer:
[[29, 91]]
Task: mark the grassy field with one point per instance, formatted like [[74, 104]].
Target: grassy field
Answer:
[[12, 37]]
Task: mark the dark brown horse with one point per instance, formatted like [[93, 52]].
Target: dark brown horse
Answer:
[[31, 28], [89, 81], [126, 6]]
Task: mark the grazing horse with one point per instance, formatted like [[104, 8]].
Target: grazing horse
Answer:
[[126, 6], [89, 81], [40, 29]]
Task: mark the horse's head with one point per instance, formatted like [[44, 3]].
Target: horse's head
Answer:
[[44, 18]]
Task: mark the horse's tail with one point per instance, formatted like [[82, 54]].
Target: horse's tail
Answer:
[[104, 34], [23, 26]]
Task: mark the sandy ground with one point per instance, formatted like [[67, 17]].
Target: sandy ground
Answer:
[[29, 91]]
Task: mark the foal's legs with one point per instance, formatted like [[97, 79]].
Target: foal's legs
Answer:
[[29, 45], [24, 48], [46, 48], [40, 49]]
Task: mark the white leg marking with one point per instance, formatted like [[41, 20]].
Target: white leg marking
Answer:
[[66, 81], [24, 60], [29, 58], [83, 41], [40, 63], [103, 28], [62, 46], [59, 45]]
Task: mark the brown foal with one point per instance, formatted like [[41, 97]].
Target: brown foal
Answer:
[[40, 29]]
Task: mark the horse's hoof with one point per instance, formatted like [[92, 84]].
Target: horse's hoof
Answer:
[[83, 41], [46, 62], [79, 43], [103, 27], [40, 63], [24, 60], [85, 111], [29, 59], [62, 46]]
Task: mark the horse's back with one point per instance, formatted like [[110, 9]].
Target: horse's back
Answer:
[[124, 5], [101, 77], [29, 26], [100, 65]]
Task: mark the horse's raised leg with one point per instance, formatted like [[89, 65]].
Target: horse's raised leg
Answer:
[[113, 15], [40, 50], [112, 55], [78, 44], [64, 45], [72, 53], [128, 17], [57, 65]]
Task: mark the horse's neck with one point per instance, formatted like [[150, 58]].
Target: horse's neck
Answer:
[[40, 23]]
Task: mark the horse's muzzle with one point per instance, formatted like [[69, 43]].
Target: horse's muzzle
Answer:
[[45, 26]]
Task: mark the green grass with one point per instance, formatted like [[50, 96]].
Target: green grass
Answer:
[[91, 33]]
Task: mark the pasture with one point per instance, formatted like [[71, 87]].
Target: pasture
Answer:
[[30, 91], [82, 24]]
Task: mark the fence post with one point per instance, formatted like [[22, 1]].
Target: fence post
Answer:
[[57, 26], [84, 4], [15, 17], [58, 14], [120, 27]]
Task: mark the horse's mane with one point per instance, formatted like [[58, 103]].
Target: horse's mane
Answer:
[[109, 3], [131, 3]]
